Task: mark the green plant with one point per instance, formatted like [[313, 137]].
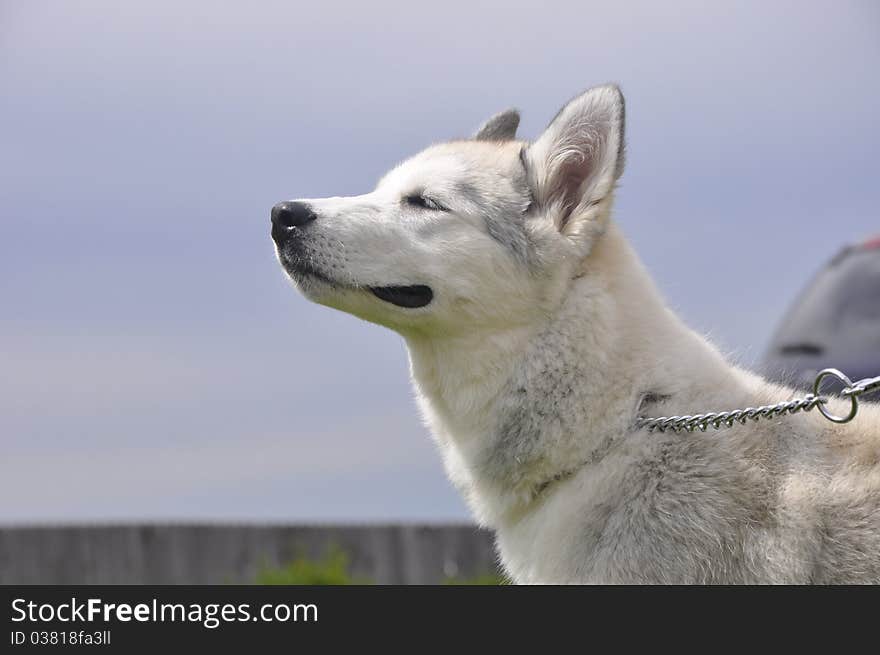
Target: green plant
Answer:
[[331, 569]]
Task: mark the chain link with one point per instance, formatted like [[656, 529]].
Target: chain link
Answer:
[[718, 420]]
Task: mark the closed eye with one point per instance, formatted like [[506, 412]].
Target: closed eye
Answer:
[[423, 202]]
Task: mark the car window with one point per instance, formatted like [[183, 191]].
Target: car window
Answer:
[[858, 321]]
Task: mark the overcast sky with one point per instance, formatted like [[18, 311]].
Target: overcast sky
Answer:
[[155, 364]]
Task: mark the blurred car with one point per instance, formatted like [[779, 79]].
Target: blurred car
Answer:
[[835, 322]]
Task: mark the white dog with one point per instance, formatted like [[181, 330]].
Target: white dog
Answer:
[[536, 338]]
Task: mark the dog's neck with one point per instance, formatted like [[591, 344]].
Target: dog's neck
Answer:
[[515, 409]]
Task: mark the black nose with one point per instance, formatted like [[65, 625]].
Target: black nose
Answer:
[[292, 214]]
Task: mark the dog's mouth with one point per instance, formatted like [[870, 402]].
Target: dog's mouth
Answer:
[[406, 296], [410, 297], [300, 269]]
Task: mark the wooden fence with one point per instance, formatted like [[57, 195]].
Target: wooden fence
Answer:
[[218, 554]]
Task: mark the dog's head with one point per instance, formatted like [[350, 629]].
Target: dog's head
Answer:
[[488, 230]]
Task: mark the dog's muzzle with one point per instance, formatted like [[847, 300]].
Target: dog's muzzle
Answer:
[[288, 218]]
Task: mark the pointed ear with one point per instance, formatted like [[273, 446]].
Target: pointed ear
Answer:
[[575, 163], [501, 127]]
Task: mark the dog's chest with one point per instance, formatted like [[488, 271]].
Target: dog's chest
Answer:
[[555, 541]]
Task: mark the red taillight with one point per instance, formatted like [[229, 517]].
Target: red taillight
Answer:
[[870, 244]]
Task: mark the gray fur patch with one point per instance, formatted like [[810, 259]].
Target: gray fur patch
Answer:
[[504, 217], [652, 398], [538, 408]]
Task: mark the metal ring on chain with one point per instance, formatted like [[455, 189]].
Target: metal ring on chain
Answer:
[[853, 398], [717, 420]]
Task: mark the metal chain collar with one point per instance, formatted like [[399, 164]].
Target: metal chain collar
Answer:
[[718, 420]]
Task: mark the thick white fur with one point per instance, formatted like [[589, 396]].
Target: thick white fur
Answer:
[[530, 371]]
